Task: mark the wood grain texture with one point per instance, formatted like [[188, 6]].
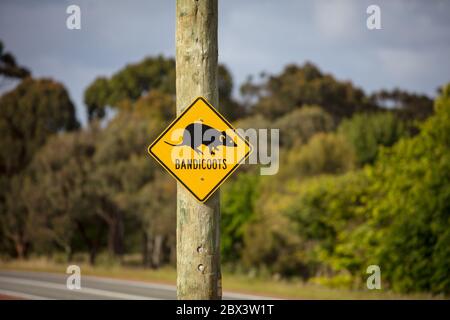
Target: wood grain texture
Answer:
[[198, 225]]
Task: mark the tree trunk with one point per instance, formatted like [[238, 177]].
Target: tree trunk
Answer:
[[69, 253], [156, 254], [92, 255], [198, 224], [115, 235], [20, 250], [145, 250]]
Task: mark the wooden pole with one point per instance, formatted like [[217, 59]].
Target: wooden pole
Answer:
[[198, 225]]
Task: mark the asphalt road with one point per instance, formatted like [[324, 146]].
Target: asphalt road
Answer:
[[44, 286]]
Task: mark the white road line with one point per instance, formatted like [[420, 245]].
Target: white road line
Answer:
[[159, 286], [167, 287], [16, 294], [86, 290], [171, 287]]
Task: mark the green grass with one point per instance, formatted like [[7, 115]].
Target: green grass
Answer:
[[231, 282]]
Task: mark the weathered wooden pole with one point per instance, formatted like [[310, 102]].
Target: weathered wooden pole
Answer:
[[198, 225]]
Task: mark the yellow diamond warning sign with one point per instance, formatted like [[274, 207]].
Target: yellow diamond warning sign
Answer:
[[200, 149]]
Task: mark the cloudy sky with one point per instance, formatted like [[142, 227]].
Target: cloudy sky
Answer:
[[411, 51]]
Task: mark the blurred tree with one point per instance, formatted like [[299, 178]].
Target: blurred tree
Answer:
[[298, 126], [256, 121], [228, 106], [324, 153], [307, 85], [156, 210], [96, 98], [411, 211], [156, 105], [122, 169], [56, 192], [30, 113], [393, 214], [129, 84], [139, 80], [407, 106], [16, 222], [324, 213], [367, 132], [238, 200], [9, 67], [270, 241]]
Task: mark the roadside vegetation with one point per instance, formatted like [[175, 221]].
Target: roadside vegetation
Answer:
[[364, 180], [232, 282]]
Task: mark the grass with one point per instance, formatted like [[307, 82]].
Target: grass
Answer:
[[231, 282]]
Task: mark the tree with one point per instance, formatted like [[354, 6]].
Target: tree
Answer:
[[368, 132], [238, 201], [141, 80], [307, 85], [9, 67], [393, 214], [229, 107], [407, 106], [299, 125], [325, 212], [121, 170], [325, 153], [29, 114], [129, 84], [53, 198], [411, 210], [18, 224], [156, 209]]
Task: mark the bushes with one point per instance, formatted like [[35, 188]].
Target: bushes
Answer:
[[237, 211], [321, 221], [394, 214], [367, 132], [412, 181], [298, 126], [324, 153]]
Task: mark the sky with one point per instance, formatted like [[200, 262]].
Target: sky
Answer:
[[410, 51]]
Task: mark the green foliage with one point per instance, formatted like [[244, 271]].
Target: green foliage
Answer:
[[324, 153], [307, 85], [271, 243], [129, 84], [96, 189], [394, 214], [9, 67], [415, 246], [30, 113], [54, 190], [238, 201], [404, 104], [140, 81], [326, 212], [298, 126], [367, 132]]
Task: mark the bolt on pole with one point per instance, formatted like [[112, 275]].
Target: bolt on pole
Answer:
[[198, 224]]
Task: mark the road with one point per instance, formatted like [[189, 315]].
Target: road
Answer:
[[44, 286]]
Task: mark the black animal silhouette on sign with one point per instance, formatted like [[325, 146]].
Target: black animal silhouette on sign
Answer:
[[196, 134]]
